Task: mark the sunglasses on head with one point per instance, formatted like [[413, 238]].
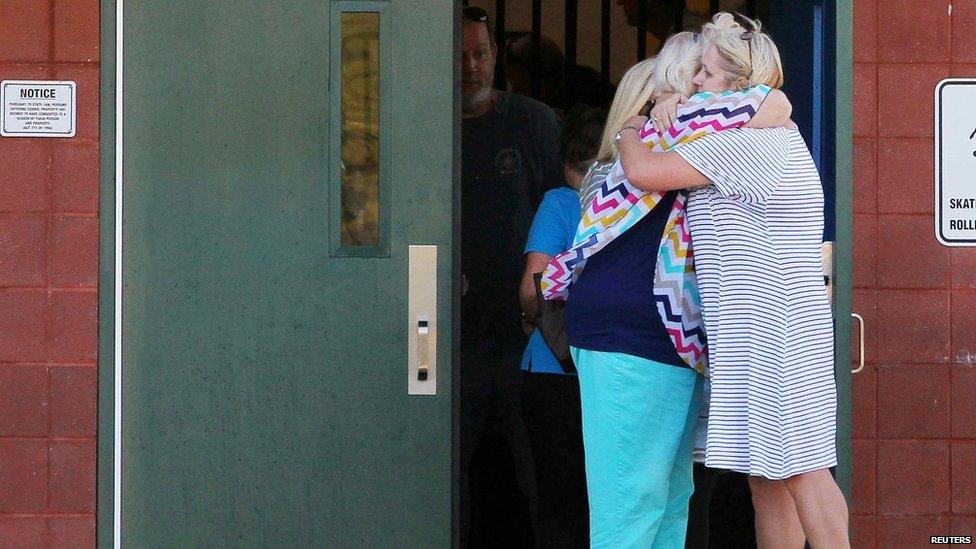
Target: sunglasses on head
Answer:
[[743, 21], [750, 31]]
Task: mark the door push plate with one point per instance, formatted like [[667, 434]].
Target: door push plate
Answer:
[[422, 321]]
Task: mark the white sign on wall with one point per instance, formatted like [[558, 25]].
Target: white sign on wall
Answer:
[[955, 162], [37, 108]]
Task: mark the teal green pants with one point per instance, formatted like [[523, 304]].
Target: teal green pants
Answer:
[[639, 421]]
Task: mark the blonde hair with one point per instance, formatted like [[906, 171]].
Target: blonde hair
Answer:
[[722, 21], [634, 91], [677, 63], [748, 54]]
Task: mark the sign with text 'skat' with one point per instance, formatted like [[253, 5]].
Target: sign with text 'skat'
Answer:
[[955, 161], [38, 108]]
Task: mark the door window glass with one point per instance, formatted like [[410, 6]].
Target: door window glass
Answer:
[[359, 131], [360, 147]]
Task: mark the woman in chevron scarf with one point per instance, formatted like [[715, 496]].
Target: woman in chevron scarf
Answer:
[[633, 320], [756, 216]]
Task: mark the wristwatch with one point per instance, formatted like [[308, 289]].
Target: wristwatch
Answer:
[[616, 139]]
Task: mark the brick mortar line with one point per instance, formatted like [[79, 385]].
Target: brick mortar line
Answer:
[[946, 439], [35, 364], [949, 514], [6, 514], [51, 29], [68, 142], [925, 289], [921, 289], [60, 289], [96, 63], [950, 277], [48, 213], [889, 364], [875, 213], [914, 63], [892, 136], [58, 214], [905, 289], [48, 269], [48, 439], [877, 117]]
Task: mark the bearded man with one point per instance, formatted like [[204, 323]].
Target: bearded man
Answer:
[[509, 160]]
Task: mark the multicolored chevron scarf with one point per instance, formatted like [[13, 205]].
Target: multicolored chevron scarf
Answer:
[[618, 206]]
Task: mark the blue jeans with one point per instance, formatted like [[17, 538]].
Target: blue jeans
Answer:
[[639, 420]]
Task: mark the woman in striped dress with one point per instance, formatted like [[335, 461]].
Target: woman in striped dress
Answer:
[[756, 219]]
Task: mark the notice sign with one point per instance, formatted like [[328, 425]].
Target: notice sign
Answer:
[[955, 162], [37, 108]]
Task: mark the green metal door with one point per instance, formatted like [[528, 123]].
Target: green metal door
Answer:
[[278, 159]]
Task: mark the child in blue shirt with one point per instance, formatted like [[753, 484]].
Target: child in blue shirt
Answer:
[[552, 232], [550, 396], [555, 223]]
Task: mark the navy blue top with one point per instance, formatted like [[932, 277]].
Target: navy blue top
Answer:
[[611, 306]]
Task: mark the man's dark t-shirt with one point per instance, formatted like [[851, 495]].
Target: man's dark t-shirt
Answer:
[[509, 160]]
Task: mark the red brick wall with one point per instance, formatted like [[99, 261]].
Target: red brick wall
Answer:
[[915, 403], [48, 286]]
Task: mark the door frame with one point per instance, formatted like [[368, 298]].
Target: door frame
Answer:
[[108, 509], [107, 501], [456, 292], [842, 20]]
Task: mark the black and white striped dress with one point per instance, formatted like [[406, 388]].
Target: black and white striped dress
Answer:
[[757, 233]]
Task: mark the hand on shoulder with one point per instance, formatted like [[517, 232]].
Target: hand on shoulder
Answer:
[[774, 111], [665, 111]]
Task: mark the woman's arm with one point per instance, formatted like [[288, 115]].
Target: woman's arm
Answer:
[[654, 171], [535, 262], [773, 112]]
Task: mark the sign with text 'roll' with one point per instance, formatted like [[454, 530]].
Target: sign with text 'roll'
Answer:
[[955, 162], [38, 108]]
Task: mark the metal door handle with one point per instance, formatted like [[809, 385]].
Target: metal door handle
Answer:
[[422, 320], [423, 365], [860, 322]]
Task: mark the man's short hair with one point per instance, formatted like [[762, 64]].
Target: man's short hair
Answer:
[[518, 55], [478, 15]]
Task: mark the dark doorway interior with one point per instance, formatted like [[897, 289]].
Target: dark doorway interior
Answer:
[[532, 64]]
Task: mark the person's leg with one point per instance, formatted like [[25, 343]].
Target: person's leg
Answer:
[[508, 386], [681, 483], [777, 523], [536, 403], [577, 512], [474, 411], [821, 507], [699, 507], [550, 405], [705, 478], [634, 418]]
